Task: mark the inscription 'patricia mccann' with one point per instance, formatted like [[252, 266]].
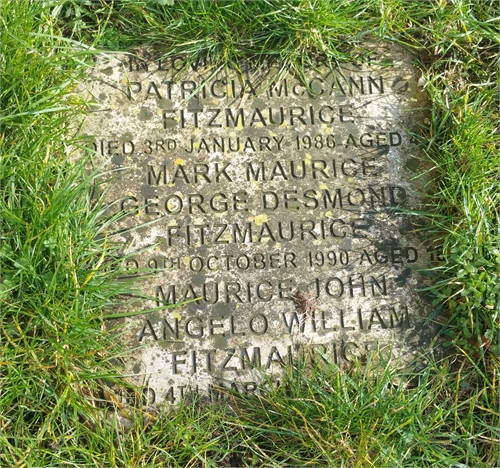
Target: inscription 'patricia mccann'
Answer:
[[316, 87]]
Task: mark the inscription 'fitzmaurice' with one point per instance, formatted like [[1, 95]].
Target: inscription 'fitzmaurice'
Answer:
[[228, 118], [272, 210]]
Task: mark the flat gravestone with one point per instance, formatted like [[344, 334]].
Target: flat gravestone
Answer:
[[275, 204]]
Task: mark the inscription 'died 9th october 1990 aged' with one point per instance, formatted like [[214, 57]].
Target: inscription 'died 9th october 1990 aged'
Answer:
[[273, 205]]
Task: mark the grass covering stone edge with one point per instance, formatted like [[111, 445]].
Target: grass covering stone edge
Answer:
[[58, 269]]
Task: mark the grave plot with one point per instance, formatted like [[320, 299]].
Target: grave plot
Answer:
[[274, 203]]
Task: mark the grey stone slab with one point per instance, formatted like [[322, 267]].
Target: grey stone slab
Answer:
[[275, 203]]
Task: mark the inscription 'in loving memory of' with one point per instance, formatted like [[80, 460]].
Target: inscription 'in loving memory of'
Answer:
[[273, 205]]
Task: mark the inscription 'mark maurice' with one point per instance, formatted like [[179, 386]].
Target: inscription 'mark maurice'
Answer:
[[315, 169]]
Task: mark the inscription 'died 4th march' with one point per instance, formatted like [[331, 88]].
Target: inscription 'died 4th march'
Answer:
[[274, 203]]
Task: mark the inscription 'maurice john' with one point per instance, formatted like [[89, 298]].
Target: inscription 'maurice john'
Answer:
[[271, 205]]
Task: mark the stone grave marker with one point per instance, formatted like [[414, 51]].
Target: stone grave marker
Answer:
[[274, 203]]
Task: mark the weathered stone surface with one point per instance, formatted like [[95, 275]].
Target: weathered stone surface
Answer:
[[275, 204]]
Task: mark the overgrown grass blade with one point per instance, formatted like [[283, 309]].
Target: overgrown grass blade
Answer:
[[62, 402]]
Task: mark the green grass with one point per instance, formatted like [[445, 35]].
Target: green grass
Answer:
[[59, 262], [365, 416]]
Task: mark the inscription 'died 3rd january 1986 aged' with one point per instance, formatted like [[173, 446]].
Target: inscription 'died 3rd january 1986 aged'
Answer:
[[274, 204]]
